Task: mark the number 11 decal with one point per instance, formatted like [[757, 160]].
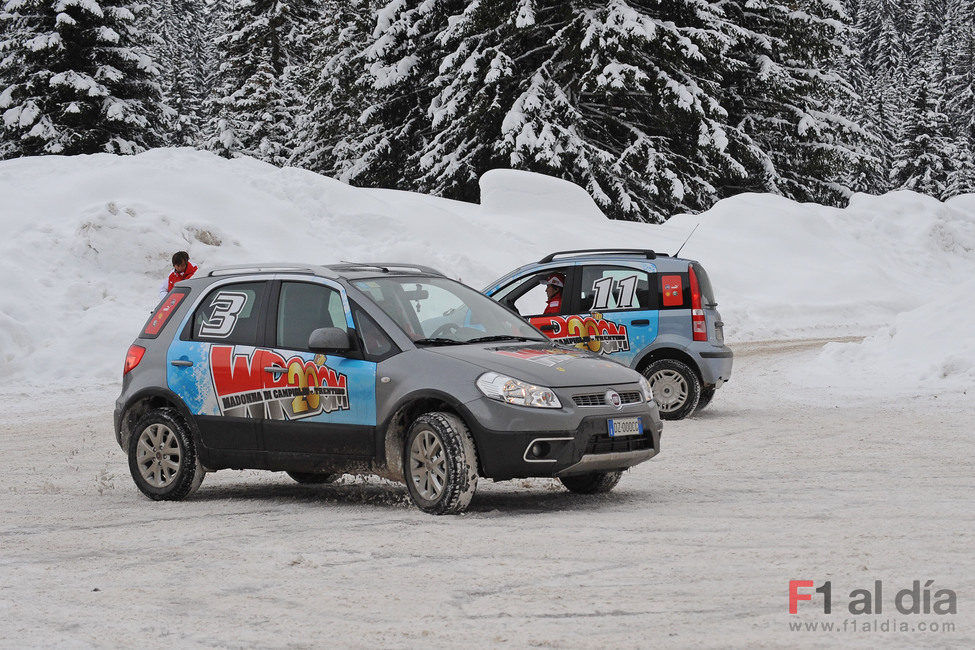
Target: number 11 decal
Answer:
[[625, 290]]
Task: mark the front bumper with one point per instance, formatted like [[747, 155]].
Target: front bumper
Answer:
[[573, 440]]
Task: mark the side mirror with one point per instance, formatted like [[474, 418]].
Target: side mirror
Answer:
[[329, 339]]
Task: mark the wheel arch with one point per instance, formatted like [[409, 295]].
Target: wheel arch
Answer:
[[392, 433], [146, 400], [667, 352]]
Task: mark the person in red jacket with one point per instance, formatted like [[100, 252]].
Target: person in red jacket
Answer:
[[553, 292], [182, 270]]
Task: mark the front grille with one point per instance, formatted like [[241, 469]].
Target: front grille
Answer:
[[599, 399], [604, 444]]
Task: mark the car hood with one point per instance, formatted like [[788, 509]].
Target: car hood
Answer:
[[542, 364]]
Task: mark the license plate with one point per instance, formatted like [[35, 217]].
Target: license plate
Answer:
[[625, 427]]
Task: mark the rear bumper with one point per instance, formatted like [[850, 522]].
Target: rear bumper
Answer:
[[714, 361], [571, 442]]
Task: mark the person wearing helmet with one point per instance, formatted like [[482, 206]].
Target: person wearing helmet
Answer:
[[554, 284]]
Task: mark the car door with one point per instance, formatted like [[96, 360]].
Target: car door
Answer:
[[214, 365], [322, 404], [614, 312]]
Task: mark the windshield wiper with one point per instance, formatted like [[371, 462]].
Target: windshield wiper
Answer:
[[438, 341], [502, 337]]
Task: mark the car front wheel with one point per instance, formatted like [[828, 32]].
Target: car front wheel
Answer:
[[676, 387], [162, 456], [440, 464]]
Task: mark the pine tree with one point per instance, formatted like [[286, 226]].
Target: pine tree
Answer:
[[789, 100], [336, 94], [401, 58], [258, 93], [622, 99], [922, 161], [78, 79], [183, 48]]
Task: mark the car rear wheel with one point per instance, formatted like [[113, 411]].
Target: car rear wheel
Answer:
[[440, 464], [313, 478], [676, 387], [593, 483], [162, 456]]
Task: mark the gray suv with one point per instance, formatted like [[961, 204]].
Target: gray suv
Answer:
[[376, 368]]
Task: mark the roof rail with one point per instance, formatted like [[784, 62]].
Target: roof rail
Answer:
[[383, 266], [269, 267], [593, 251]]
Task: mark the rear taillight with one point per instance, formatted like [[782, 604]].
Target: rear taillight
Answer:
[[699, 326], [132, 358]]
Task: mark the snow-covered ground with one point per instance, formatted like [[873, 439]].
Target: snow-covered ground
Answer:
[[88, 240], [693, 549], [841, 450]]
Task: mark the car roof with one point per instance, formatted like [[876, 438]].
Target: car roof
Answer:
[[344, 270]]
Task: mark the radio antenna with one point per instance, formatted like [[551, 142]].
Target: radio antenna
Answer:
[[686, 240]]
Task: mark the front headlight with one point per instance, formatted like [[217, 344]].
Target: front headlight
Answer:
[[513, 391], [647, 390]]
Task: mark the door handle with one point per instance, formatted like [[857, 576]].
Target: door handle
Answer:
[[183, 363], [640, 321], [275, 369]]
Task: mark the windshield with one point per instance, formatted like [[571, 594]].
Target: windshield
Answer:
[[438, 311]]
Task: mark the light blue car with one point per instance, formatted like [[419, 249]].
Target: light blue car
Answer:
[[649, 311]]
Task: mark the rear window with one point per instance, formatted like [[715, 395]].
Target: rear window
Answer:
[[704, 282], [163, 313]]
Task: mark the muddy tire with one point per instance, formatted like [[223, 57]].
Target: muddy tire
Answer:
[[707, 394], [440, 464], [593, 483], [676, 387], [313, 478], [162, 456]]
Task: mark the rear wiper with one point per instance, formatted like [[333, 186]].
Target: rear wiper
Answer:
[[501, 337], [438, 341]]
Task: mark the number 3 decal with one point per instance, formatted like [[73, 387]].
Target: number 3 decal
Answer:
[[226, 306]]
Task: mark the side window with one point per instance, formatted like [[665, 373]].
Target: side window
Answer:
[[612, 288], [374, 340], [230, 315], [304, 307], [528, 295]]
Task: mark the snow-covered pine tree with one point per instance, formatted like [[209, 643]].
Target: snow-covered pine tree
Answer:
[[337, 94], [258, 93], [184, 51], [923, 158], [401, 60], [868, 173], [78, 79], [619, 97], [789, 100], [633, 90], [958, 46], [922, 161]]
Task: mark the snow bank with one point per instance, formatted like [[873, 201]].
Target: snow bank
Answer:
[[928, 351], [88, 240]]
